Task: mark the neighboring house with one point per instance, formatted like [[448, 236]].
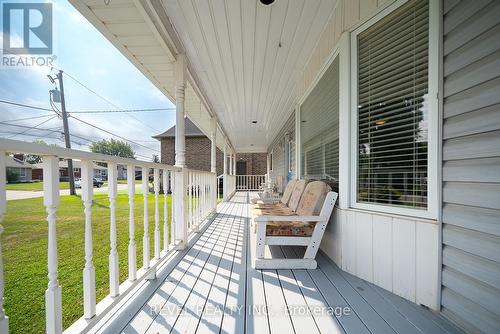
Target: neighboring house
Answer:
[[122, 172], [99, 171], [198, 152], [17, 165]]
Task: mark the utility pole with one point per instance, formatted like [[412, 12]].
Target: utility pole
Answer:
[[66, 134]]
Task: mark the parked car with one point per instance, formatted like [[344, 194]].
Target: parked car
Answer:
[[97, 183]]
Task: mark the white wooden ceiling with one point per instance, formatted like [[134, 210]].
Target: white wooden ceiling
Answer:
[[126, 24], [246, 57]]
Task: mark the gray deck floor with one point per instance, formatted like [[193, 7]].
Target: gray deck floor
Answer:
[[212, 287]]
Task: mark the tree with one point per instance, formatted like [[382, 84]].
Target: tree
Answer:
[[113, 147], [12, 176], [156, 158], [33, 158]]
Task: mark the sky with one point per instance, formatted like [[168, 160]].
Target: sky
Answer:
[[84, 54]]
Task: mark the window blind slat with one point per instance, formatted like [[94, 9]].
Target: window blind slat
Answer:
[[320, 129], [392, 109]]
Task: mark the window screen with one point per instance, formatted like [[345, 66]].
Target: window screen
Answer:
[[319, 116], [393, 108]]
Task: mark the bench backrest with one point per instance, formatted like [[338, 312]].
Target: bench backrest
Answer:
[[288, 191], [294, 201], [312, 198]]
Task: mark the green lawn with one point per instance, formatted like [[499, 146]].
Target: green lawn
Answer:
[[125, 181], [24, 244], [33, 186]]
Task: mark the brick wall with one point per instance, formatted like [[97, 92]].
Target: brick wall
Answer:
[[197, 153], [198, 156], [256, 162]]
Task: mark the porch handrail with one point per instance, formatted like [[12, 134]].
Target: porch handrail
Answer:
[[250, 182], [197, 194]]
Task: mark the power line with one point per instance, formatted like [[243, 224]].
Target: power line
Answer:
[[28, 127], [121, 111], [113, 134], [28, 118], [109, 102], [96, 111], [34, 127], [24, 105]]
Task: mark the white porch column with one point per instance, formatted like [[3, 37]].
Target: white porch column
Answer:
[[180, 237], [234, 163], [298, 144], [268, 168], [180, 86], [225, 178], [213, 158], [225, 160], [213, 151]]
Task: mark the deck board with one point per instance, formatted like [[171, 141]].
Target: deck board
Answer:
[[214, 289]]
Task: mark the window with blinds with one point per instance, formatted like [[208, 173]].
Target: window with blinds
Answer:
[[319, 131], [393, 108]]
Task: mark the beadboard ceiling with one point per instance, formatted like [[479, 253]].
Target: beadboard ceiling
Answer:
[[248, 57], [245, 58]]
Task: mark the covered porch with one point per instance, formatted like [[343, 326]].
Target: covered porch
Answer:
[[211, 287]]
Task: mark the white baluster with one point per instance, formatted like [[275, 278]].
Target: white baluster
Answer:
[[189, 204], [114, 278], [203, 190], [205, 193], [172, 207], [197, 199], [53, 299], [157, 246], [89, 298], [4, 320], [165, 210], [132, 257], [145, 238]]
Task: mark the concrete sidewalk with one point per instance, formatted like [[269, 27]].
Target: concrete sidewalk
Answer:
[[23, 194]]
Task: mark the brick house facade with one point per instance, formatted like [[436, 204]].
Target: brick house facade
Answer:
[[198, 148]]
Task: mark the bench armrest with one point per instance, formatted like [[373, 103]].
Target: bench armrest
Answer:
[[265, 219]]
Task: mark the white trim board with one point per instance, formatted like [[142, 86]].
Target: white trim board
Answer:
[[432, 210]]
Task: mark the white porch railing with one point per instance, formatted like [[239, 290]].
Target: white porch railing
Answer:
[[229, 186], [201, 197], [191, 204], [250, 182]]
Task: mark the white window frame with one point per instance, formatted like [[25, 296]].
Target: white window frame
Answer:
[[432, 210], [22, 172]]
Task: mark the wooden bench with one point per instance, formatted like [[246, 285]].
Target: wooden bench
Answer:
[[303, 225]]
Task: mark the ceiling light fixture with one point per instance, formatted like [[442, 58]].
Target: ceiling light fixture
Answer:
[[267, 2]]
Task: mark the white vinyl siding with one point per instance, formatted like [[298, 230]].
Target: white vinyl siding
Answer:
[[471, 165], [393, 108], [319, 115]]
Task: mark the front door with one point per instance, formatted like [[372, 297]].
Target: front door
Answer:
[[241, 168]]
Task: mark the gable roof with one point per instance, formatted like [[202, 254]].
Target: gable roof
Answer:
[[14, 162], [191, 130]]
